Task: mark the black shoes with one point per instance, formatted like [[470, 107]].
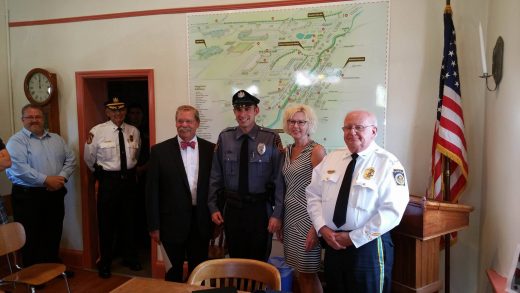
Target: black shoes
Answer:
[[104, 271], [133, 265]]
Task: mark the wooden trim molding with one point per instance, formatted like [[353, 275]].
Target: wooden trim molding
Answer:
[[179, 10], [72, 258], [90, 91]]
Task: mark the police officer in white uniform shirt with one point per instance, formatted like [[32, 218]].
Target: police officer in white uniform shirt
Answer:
[[354, 221], [117, 184]]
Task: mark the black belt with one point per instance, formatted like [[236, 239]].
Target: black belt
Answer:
[[239, 200], [29, 188], [119, 174]]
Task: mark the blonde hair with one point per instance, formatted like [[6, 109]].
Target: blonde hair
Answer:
[[310, 117], [188, 108]]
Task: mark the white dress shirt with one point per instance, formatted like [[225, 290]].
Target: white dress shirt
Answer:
[[378, 195], [190, 158]]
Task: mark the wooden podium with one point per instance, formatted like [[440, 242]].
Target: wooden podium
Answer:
[[417, 239]]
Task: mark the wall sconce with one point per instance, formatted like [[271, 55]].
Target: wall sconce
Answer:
[[496, 67]]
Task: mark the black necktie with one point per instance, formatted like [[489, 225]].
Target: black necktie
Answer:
[[243, 176], [340, 211], [122, 150]]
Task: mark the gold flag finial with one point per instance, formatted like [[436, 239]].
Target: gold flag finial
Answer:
[[447, 9]]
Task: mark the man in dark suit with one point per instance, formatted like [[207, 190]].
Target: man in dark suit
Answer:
[[177, 194]]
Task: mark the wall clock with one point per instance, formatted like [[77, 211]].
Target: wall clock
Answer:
[[41, 88]]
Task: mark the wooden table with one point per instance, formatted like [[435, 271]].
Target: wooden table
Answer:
[[149, 285]]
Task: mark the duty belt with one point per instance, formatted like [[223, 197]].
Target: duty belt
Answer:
[[119, 174], [239, 200]]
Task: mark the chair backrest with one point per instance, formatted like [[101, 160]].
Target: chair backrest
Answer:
[[243, 274], [12, 237]]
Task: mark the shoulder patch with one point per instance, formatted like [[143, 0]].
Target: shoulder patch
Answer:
[[399, 177], [278, 142], [90, 137]]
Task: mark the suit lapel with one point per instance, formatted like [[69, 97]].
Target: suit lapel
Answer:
[[177, 158]]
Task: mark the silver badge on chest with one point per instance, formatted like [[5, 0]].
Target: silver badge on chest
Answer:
[[260, 148]]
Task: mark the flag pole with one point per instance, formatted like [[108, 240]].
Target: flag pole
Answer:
[[447, 237], [447, 189]]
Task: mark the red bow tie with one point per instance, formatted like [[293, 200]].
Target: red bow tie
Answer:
[[186, 144]]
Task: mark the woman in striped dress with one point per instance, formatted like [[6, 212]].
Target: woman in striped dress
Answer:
[[301, 248]]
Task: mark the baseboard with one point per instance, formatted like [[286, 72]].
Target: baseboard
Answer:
[[72, 258]]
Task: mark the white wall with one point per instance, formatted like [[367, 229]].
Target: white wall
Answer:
[[500, 217], [416, 34]]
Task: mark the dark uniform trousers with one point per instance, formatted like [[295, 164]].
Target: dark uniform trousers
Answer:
[[194, 249], [365, 269], [115, 211], [41, 213], [246, 230]]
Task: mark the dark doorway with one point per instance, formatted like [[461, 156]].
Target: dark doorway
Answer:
[[135, 94]]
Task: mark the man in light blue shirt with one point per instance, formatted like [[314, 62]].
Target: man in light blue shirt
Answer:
[[41, 165]]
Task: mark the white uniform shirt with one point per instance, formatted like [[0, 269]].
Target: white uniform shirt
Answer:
[[102, 146], [190, 158], [378, 195]]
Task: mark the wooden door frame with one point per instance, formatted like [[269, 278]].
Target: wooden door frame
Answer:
[[90, 101]]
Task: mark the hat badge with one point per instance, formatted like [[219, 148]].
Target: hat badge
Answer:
[[115, 100], [241, 94]]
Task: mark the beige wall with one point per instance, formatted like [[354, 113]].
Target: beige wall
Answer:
[[500, 214], [416, 30]]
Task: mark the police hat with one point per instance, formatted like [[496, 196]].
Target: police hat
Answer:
[[115, 104], [244, 98]]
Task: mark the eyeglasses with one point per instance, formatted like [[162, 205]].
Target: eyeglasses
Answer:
[[357, 128], [33, 117], [294, 122]]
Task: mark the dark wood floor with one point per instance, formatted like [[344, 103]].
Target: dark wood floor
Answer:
[[84, 281]]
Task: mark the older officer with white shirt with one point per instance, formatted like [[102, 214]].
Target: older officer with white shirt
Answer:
[[111, 151], [354, 207]]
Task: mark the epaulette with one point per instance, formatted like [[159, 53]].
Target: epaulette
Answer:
[[260, 128], [232, 128], [386, 154]]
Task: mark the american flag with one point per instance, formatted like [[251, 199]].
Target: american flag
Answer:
[[448, 139]]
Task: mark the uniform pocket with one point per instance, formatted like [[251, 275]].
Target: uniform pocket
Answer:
[[230, 168], [231, 163], [330, 185], [107, 151], [366, 194], [262, 165]]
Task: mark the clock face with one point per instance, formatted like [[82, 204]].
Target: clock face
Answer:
[[40, 87]]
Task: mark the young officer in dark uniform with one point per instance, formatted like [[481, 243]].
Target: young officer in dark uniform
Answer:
[[246, 176], [107, 143]]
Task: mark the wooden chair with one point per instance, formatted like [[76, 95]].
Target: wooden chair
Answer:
[[12, 238], [243, 274]]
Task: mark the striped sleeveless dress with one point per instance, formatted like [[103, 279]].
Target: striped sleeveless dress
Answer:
[[296, 224]]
